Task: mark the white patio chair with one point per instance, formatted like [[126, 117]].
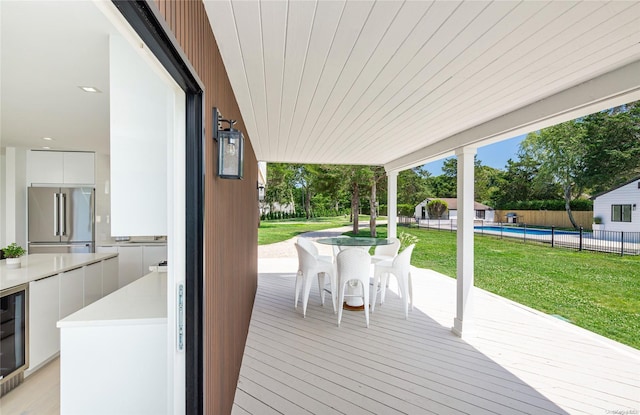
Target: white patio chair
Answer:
[[310, 246], [400, 267], [386, 252], [353, 266], [308, 268], [337, 248]]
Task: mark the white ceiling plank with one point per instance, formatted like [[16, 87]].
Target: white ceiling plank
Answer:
[[327, 19], [354, 16], [273, 17], [220, 14], [404, 23], [611, 89], [300, 21], [421, 72], [389, 95], [513, 91], [479, 35], [442, 110], [249, 30], [376, 26]]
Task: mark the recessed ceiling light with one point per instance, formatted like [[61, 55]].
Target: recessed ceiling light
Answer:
[[46, 148], [47, 138], [89, 89]]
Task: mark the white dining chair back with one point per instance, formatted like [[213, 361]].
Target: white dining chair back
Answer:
[[310, 246], [400, 267], [385, 252], [309, 267], [338, 248], [353, 267]]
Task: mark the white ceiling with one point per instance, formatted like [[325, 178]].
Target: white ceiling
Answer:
[[389, 82], [397, 83], [49, 49]]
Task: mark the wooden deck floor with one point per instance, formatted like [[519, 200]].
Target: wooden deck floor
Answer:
[[519, 361]]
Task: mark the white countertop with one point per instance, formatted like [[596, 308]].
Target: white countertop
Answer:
[[134, 243], [144, 301], [38, 266]]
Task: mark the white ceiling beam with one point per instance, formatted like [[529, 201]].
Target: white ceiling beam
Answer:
[[614, 88]]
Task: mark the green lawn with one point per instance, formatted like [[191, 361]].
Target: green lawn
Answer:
[[277, 231], [599, 292]]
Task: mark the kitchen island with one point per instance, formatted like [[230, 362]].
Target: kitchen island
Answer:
[[56, 285], [114, 352]]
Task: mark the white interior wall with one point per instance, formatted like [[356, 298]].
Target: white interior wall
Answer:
[[15, 200]]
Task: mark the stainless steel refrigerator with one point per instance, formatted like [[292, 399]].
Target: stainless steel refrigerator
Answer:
[[61, 220]]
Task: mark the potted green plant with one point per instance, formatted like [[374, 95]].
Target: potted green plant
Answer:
[[13, 253]]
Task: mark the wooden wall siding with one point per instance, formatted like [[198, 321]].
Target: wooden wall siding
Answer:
[[547, 217], [231, 216]]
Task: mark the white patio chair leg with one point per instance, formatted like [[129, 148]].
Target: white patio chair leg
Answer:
[[305, 295], [299, 277], [365, 301], [403, 283], [373, 295], [384, 283], [341, 298], [411, 291], [321, 287], [334, 293]]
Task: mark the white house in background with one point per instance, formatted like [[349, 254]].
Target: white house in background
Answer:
[[482, 211], [618, 208]]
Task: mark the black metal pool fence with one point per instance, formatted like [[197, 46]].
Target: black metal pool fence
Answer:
[[621, 243]]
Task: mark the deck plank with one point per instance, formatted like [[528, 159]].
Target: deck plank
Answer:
[[519, 361]]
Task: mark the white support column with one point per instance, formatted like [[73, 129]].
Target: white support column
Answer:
[[465, 257], [392, 204]]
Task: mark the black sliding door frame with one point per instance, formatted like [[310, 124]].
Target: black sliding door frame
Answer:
[[154, 31]]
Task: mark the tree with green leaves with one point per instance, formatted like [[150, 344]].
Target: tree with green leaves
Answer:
[[612, 147], [413, 186], [280, 185], [559, 151], [437, 208]]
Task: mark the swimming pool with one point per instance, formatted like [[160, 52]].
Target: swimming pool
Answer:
[[521, 231]]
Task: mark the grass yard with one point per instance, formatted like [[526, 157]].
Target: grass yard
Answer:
[[277, 231], [599, 292]]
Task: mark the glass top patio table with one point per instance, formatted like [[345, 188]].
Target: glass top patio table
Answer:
[[355, 241]]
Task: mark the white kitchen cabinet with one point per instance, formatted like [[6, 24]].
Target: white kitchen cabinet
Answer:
[[134, 260], [44, 336], [78, 168], [45, 167], [71, 291], [152, 255], [129, 264], [61, 167], [109, 276], [92, 283]]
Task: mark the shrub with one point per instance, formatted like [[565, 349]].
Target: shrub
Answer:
[[437, 208], [406, 210]]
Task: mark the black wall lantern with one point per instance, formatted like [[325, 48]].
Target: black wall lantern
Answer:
[[230, 148], [260, 192]]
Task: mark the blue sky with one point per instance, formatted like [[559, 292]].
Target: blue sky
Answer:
[[494, 155]]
